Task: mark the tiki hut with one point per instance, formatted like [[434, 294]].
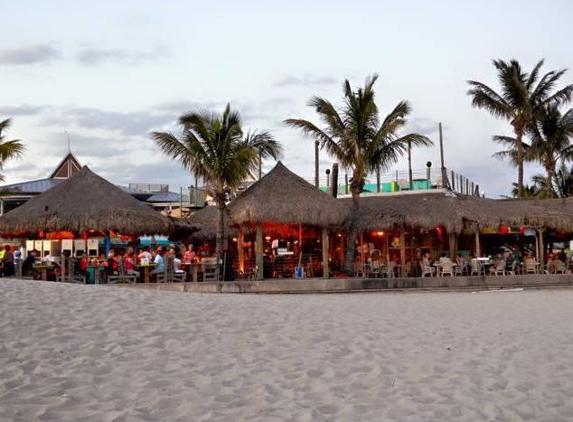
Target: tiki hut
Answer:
[[282, 197], [203, 223], [81, 203]]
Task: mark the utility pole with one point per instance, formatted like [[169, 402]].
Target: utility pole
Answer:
[[443, 168], [316, 182]]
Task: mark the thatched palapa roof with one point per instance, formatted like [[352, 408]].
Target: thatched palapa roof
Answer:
[[425, 210], [283, 197], [203, 223], [84, 202], [455, 212]]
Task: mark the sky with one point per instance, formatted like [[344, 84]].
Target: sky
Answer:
[[107, 73]]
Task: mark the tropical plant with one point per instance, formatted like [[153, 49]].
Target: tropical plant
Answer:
[[213, 147], [521, 99], [510, 152], [355, 136], [8, 149], [564, 181], [552, 133]]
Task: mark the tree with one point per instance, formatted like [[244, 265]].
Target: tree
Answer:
[[8, 149], [521, 99], [564, 181], [212, 146], [355, 137], [551, 134]]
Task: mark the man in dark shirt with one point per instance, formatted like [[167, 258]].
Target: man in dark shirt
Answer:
[[27, 265]]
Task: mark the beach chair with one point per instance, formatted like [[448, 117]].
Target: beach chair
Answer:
[[121, 275]]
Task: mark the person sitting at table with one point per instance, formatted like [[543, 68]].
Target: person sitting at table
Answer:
[[47, 257], [189, 256], [28, 264], [177, 264], [145, 255], [129, 264], [158, 261], [81, 265], [8, 262], [112, 266]]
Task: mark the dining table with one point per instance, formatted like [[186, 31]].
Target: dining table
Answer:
[[145, 271], [43, 269], [95, 273]]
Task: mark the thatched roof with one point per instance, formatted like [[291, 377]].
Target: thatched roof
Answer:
[[204, 222], [455, 212], [425, 210], [283, 197], [84, 202]]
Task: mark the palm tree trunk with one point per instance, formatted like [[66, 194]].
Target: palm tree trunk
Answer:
[[352, 232], [519, 146], [550, 177], [220, 234]]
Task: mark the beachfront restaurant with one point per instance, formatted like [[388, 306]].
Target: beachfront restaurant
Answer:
[[283, 225], [72, 216], [399, 229]]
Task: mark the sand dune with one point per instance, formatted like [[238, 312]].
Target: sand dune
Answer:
[[100, 353]]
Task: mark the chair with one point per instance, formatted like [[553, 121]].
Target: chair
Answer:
[[210, 269], [560, 267], [530, 266], [121, 276], [447, 268], [427, 270], [499, 268], [513, 269], [476, 268], [18, 268], [68, 272], [359, 270], [376, 269], [459, 269], [390, 270]]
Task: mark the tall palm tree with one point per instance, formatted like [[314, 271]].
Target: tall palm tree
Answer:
[[213, 147], [355, 136], [552, 133], [564, 181], [8, 149], [510, 151], [521, 99]]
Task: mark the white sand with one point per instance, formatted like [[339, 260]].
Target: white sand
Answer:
[[97, 353]]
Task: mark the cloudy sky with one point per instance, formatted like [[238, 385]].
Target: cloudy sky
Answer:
[[107, 73]]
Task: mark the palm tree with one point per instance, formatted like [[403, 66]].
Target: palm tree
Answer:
[[564, 181], [8, 149], [510, 152], [355, 137], [552, 134], [521, 99], [213, 147]]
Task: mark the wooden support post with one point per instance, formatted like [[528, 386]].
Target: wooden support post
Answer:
[[478, 247], [452, 243], [541, 249], [403, 245], [325, 266], [241, 250], [259, 251]]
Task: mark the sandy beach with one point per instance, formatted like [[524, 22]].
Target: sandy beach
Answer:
[[100, 353]]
